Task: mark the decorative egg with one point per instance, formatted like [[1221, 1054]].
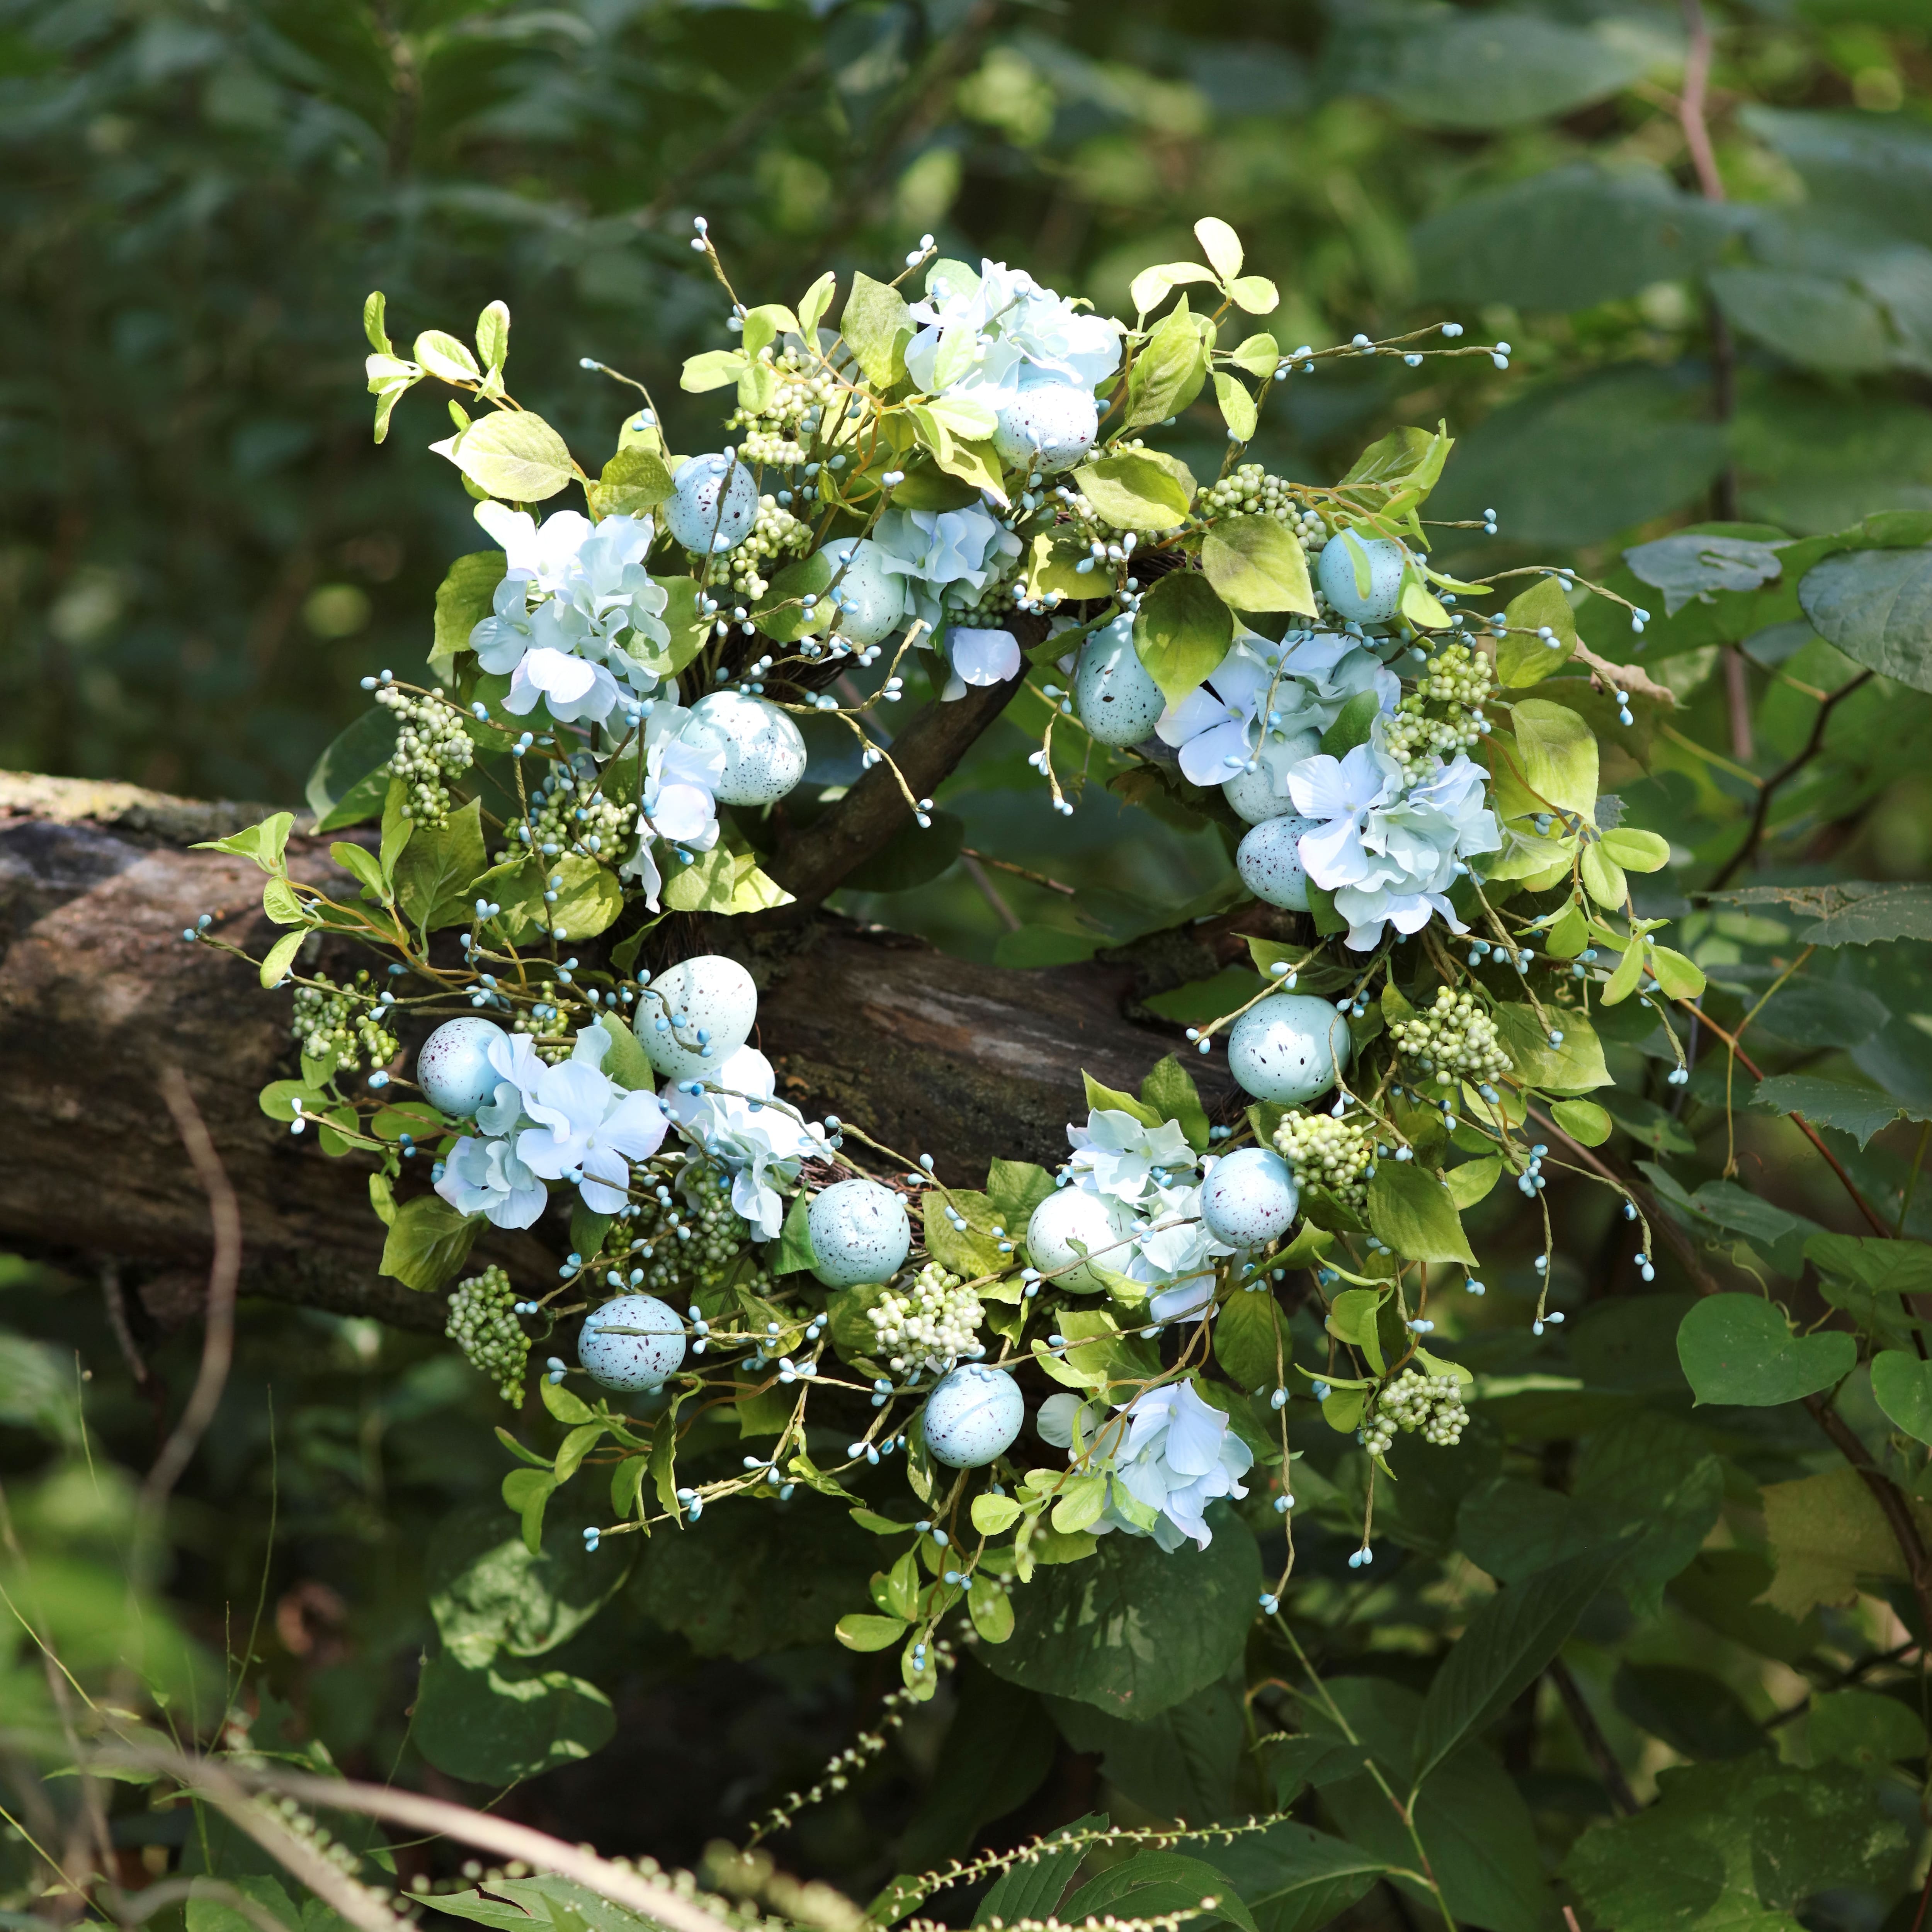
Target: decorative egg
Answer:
[[1384, 560], [1253, 794], [1119, 703], [1289, 1048], [1269, 861], [453, 1069], [1051, 423], [695, 515], [1096, 1221], [631, 1362], [860, 1234], [870, 601], [1249, 1199], [972, 1416], [765, 753], [709, 995]]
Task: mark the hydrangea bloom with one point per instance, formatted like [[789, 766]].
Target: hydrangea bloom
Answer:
[[1261, 699], [1388, 851], [1176, 1256], [980, 658], [759, 1140], [684, 760], [1167, 1454], [997, 330], [1115, 1153], [946, 557]]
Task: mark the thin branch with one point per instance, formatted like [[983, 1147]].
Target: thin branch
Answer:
[[1760, 816], [1595, 1742]]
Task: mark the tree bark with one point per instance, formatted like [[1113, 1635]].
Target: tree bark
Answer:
[[929, 1054]]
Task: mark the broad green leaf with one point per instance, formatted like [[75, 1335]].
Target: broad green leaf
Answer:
[[1167, 373], [1294, 1879], [633, 483], [1148, 1884], [463, 599], [1151, 286], [589, 898], [1847, 912], [1862, 1727], [1637, 851], [1860, 1112], [1181, 632], [373, 326], [992, 1516], [365, 865], [1558, 753], [1132, 1629], [858, 1631], [877, 325], [266, 843], [712, 369], [1507, 1645], [280, 958], [1875, 605], [351, 780], [1495, 69], [1170, 1090], [624, 1061], [1582, 1121], [514, 455], [437, 867], [1902, 1387], [1259, 355], [1237, 406], [818, 299], [1818, 321], [506, 1721], [1256, 564], [1251, 1340], [1220, 245], [1701, 565], [1739, 1349], [444, 356], [1412, 1211], [794, 1253], [428, 1242], [1099, 1096], [1032, 1890], [1256, 294], [1575, 1065], [1473, 1180], [490, 1593], [493, 337], [1885, 1267], [1524, 659], [1134, 492], [1353, 725]]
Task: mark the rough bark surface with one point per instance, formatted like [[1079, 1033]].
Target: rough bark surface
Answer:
[[928, 1053]]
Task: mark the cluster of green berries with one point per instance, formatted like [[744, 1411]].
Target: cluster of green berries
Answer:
[[1459, 680], [1335, 1155], [1432, 1404], [928, 1325], [776, 535], [569, 813], [696, 1239], [552, 1031], [1455, 1040], [432, 746], [1250, 491], [342, 1021], [482, 1323], [778, 433]]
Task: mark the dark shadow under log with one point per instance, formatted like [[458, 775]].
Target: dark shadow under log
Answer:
[[929, 1054]]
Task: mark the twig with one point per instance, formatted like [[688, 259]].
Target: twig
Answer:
[[970, 864], [1595, 1742], [1754, 834], [1032, 878]]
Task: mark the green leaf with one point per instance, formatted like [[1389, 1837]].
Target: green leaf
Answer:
[[1520, 659], [489, 1593], [912, 855], [1847, 912], [1860, 1112], [1237, 407], [633, 483], [689, 627], [1149, 1883], [1506, 1645], [1256, 564], [997, 1752], [266, 843], [493, 337], [1902, 1387], [1739, 1349], [350, 780], [374, 306], [712, 369], [818, 299], [1494, 69], [1259, 355], [1875, 605], [589, 899], [1168, 372], [972, 1253], [794, 1254], [280, 958], [1473, 1180], [1352, 727], [1883, 1267], [1819, 321], [1098, 1095], [1862, 1727], [437, 867], [1251, 1340], [1131, 1628], [624, 1061], [1574, 1067], [877, 325], [1170, 1090], [1182, 631], [506, 1721], [428, 1242], [1032, 1890], [858, 1631], [1559, 752], [1582, 1121], [1294, 1879], [1411, 1210], [465, 597], [1702, 565], [364, 865], [514, 455], [1136, 491], [1255, 293], [1016, 1188]]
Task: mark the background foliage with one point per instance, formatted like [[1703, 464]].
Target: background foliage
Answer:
[[202, 552]]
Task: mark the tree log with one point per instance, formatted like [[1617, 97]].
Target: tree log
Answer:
[[929, 1054]]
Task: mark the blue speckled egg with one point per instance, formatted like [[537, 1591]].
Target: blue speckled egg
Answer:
[[870, 601], [1249, 1199], [1270, 864], [708, 992], [765, 753], [1051, 423], [1335, 572], [693, 515], [1097, 1221], [631, 1362], [860, 1234], [1118, 702], [972, 1416], [1289, 1048], [453, 1069]]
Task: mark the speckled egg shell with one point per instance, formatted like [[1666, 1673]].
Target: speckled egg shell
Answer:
[[875, 601], [693, 516], [972, 1416], [710, 992], [1270, 864], [453, 1069], [1288, 1048], [1119, 703], [1071, 1214], [1252, 794], [1335, 570], [765, 753], [860, 1234], [1053, 424], [631, 1362], [1249, 1199]]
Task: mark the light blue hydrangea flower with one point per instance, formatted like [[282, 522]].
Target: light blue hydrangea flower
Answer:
[[759, 1140], [994, 332]]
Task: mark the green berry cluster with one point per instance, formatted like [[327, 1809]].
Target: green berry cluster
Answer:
[[1432, 1404], [696, 1239], [483, 1325], [1454, 1040], [569, 813], [928, 1325], [554, 1031], [343, 1020], [1333, 1155], [1457, 680], [776, 535], [1250, 491], [432, 746], [778, 433]]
